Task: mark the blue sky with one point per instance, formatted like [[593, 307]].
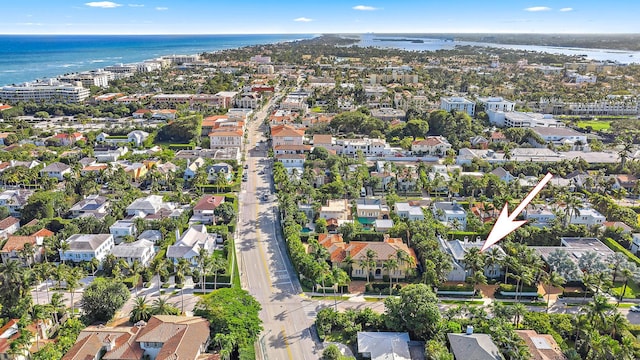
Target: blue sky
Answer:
[[327, 16]]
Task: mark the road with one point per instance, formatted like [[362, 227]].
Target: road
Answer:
[[265, 269]]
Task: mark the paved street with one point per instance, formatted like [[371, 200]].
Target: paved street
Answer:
[[264, 265]]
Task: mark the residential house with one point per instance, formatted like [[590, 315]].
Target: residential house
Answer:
[[84, 247], [218, 169], [587, 216], [292, 162], [627, 182], [560, 136], [226, 138], [152, 235], [472, 346], [136, 170], [539, 215], [450, 213], [14, 200], [188, 245], [67, 139], [357, 250], [382, 225], [458, 104], [11, 332], [56, 170], [324, 141], [541, 346], [8, 226], [457, 250], [150, 205], [368, 147], [108, 154], [409, 210], [3, 137], [498, 137], [479, 142], [286, 135], [203, 211], [140, 250], [503, 174], [93, 169], [431, 145], [370, 210], [575, 247], [122, 228], [384, 345], [93, 205], [192, 168], [618, 225], [338, 209], [163, 337], [137, 137], [13, 247]]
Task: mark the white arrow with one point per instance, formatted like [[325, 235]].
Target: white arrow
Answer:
[[505, 224]]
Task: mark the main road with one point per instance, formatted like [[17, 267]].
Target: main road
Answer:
[[265, 269]]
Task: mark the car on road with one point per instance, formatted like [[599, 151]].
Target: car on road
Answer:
[[635, 308], [246, 166], [265, 197]]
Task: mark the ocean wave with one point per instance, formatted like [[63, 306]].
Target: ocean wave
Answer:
[[97, 61], [9, 71]]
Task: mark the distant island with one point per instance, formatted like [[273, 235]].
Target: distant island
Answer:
[[416, 41], [628, 42]]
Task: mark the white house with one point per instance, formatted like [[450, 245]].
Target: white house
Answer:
[[458, 104], [635, 243], [409, 211], [141, 250], [84, 247], [587, 216], [14, 200], [56, 170], [92, 205], [204, 209], [188, 246], [497, 104], [450, 212], [432, 145], [8, 226], [560, 136], [192, 168], [122, 228], [137, 137], [539, 215], [149, 205]]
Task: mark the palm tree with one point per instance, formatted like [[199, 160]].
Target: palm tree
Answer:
[[369, 262], [73, 281], [390, 265], [141, 310], [552, 279], [26, 253], [202, 258], [630, 272], [161, 306], [476, 278], [56, 306], [617, 323], [597, 311], [348, 261], [474, 260], [226, 344], [518, 310], [573, 204], [493, 257]]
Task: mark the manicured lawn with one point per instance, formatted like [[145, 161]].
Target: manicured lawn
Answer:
[[316, 109], [463, 302], [632, 290], [596, 125]]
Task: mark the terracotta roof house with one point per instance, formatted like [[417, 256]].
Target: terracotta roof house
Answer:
[[164, 337], [541, 346], [204, 208], [286, 135], [357, 250], [11, 249], [432, 145]]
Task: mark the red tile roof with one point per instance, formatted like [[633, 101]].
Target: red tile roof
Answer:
[[209, 202], [8, 222], [16, 243]]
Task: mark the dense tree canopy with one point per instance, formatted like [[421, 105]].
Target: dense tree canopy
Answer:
[[103, 298]]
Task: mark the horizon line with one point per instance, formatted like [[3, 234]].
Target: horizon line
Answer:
[[322, 33]]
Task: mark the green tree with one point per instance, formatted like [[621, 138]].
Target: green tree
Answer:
[[141, 310], [415, 311], [233, 312], [102, 298], [161, 306], [225, 212]]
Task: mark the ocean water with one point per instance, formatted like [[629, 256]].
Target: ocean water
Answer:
[[30, 57]]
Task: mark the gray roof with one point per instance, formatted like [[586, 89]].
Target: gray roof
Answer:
[[87, 242], [384, 345], [90, 203], [56, 166], [131, 250], [473, 347], [556, 131], [151, 235]]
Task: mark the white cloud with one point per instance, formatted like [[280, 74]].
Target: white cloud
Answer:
[[136, 5], [103, 4], [537, 8], [364, 8], [160, 8], [303, 19], [566, 9], [30, 24]]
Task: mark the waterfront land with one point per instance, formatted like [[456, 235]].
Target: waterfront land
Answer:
[[299, 194]]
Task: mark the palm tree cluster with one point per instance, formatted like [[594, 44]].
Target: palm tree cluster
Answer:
[[142, 310]]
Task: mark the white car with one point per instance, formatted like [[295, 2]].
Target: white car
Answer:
[[635, 308]]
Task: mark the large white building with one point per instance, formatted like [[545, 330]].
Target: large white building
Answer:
[[84, 247], [521, 119], [497, 104], [458, 104], [39, 92]]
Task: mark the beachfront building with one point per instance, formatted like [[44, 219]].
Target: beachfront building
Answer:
[[44, 92]]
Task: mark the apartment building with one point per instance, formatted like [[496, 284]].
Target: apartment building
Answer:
[[458, 104], [37, 92]]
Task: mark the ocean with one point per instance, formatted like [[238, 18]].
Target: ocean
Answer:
[[30, 57]]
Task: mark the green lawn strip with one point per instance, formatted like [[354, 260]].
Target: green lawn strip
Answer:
[[625, 305], [330, 297], [595, 125], [463, 302], [630, 293]]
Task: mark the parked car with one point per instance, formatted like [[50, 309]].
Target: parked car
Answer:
[[265, 197], [635, 308]]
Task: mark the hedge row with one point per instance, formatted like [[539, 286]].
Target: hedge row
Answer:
[[613, 245]]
